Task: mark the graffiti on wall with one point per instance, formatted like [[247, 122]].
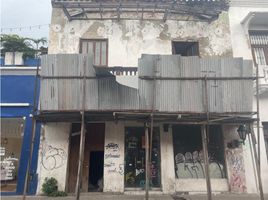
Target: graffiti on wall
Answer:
[[237, 171], [52, 158], [191, 165], [112, 156]]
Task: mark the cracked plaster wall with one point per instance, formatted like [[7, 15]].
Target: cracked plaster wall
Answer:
[[128, 39], [241, 48]]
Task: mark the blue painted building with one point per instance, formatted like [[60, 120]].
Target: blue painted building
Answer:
[[17, 99]]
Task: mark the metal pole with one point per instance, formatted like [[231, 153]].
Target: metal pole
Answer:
[[81, 157], [205, 151], [258, 132], [147, 162], [25, 186]]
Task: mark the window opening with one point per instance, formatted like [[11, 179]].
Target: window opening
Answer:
[[259, 43], [185, 48], [188, 152], [98, 48]]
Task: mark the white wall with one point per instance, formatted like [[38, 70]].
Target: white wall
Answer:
[[241, 48], [53, 154], [167, 161], [114, 156], [128, 39]]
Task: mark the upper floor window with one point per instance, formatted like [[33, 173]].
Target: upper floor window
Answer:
[[259, 43], [98, 48], [185, 48]]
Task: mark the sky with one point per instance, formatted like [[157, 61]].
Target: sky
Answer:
[[25, 13]]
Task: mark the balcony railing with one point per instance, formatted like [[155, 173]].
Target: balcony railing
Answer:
[[123, 71]]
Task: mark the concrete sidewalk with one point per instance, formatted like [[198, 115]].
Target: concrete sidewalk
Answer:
[[100, 196]]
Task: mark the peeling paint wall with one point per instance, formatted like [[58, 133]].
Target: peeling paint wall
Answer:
[[235, 161], [128, 39], [241, 48], [167, 155], [53, 154]]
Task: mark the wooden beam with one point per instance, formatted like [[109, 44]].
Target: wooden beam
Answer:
[[205, 130], [66, 13], [147, 171], [81, 157], [82, 135], [33, 129], [258, 156], [165, 15]]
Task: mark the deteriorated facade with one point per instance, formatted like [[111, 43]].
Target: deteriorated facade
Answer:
[[112, 35]]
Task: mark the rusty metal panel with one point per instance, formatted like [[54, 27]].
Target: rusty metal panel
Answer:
[[164, 93], [108, 94], [129, 98], [92, 94], [191, 90]]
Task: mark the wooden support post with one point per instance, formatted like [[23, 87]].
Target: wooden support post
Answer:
[[205, 152], [29, 161], [82, 136], [81, 157], [32, 133], [258, 155], [147, 162], [253, 139]]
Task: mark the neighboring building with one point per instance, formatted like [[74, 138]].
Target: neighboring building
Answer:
[[17, 97], [126, 85], [249, 36]]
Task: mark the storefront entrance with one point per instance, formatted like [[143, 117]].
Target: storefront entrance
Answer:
[[10, 152], [135, 158], [92, 180]]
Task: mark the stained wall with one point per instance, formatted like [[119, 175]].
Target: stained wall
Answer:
[[53, 154], [128, 39]]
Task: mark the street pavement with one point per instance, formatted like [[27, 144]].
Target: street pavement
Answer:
[[101, 196]]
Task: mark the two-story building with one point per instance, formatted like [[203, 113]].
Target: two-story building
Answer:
[[152, 79]]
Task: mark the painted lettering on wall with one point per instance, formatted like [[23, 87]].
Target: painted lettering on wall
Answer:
[[235, 163], [191, 165], [111, 160], [111, 155], [52, 158], [112, 146]]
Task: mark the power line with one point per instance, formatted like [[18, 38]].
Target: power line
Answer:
[[20, 28]]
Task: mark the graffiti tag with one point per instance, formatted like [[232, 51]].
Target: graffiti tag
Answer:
[[52, 157]]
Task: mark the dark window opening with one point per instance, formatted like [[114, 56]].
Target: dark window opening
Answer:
[[185, 48], [265, 133], [97, 48], [188, 152]]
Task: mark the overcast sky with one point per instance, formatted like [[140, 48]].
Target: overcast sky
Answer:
[[25, 13]]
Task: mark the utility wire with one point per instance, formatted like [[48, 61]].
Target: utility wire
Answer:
[[20, 28]]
